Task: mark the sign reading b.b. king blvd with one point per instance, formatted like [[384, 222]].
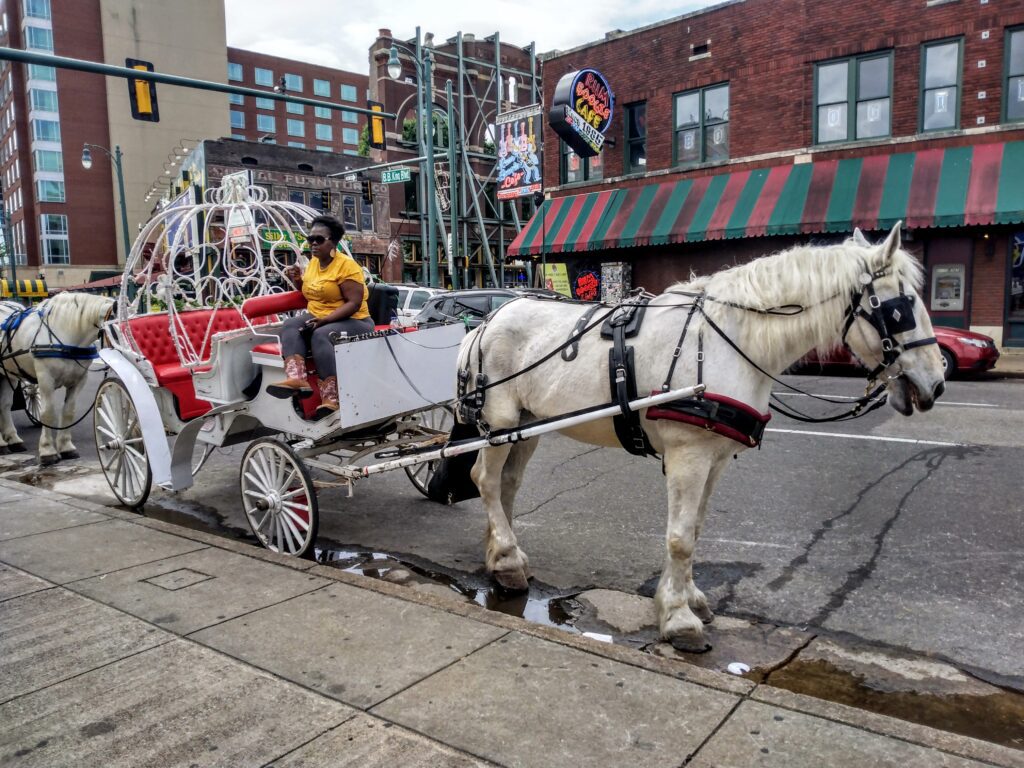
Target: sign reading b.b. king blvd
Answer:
[[581, 111]]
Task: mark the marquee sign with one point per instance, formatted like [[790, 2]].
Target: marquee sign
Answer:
[[581, 111]]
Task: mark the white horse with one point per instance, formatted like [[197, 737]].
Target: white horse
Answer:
[[48, 344], [832, 284]]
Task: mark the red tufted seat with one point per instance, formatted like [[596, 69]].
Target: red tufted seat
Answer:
[[153, 337]]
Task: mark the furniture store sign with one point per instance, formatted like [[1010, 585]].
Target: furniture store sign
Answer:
[[581, 111]]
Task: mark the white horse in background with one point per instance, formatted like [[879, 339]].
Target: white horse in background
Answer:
[[48, 344], [829, 283]]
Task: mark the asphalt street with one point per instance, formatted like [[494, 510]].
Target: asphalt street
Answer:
[[892, 530]]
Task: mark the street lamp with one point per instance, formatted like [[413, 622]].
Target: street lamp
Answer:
[[425, 115], [115, 157]]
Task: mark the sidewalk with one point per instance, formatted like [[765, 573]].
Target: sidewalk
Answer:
[[126, 641], [1010, 364]]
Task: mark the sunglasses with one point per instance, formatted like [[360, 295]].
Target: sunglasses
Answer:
[[316, 239]]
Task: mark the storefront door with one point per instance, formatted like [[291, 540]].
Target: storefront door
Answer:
[[948, 261], [1015, 304]]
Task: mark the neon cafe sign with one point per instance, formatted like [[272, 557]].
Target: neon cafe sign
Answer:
[[581, 111]]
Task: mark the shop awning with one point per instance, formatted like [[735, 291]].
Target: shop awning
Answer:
[[29, 289], [949, 187]]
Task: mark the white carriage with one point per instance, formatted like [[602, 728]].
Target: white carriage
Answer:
[[195, 341]]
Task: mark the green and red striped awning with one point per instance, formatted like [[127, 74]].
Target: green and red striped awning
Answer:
[[950, 187]]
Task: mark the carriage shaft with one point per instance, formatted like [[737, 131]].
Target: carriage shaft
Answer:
[[524, 433]]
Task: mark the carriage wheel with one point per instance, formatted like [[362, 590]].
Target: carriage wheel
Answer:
[[119, 443], [440, 419], [30, 395], [278, 497]]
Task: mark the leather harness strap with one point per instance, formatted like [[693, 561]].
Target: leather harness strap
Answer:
[[624, 323]]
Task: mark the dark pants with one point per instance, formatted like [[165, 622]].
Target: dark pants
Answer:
[[295, 339]]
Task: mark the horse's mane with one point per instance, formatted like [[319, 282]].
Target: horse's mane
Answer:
[[805, 275], [76, 311]]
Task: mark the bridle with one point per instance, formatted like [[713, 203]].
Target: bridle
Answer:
[[888, 318]]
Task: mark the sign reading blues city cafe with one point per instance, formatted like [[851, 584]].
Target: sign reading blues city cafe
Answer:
[[581, 111]]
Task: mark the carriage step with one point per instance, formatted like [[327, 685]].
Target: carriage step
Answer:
[[283, 392]]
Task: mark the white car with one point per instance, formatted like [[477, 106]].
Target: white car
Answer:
[[411, 299]]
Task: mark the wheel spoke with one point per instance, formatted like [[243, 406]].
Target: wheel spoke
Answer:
[[295, 540], [292, 517], [284, 485]]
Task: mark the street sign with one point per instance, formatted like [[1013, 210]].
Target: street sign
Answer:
[[516, 115], [395, 175]]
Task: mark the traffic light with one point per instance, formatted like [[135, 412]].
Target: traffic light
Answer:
[[367, 190], [325, 200], [377, 140], [142, 93]]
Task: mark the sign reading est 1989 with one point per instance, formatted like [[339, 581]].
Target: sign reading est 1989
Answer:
[[581, 111], [395, 175]]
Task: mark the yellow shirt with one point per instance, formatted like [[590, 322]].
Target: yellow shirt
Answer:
[[322, 287]]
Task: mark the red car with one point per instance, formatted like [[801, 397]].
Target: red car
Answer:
[[962, 352]]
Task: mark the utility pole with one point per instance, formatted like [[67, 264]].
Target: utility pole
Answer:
[[12, 257]]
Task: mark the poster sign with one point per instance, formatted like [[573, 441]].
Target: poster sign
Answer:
[[587, 285], [518, 165], [556, 278], [581, 111]]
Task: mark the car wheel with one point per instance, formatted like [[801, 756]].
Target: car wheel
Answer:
[[948, 363]]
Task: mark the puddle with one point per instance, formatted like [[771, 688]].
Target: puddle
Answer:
[[998, 717], [192, 515], [541, 605]]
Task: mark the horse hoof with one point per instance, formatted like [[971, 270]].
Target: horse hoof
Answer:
[[73, 454], [705, 614], [17, 448], [690, 644], [49, 461], [512, 581]]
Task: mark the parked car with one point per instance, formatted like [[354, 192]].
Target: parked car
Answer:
[[472, 305], [963, 352], [411, 299]]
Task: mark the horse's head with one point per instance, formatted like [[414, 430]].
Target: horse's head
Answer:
[[888, 328]]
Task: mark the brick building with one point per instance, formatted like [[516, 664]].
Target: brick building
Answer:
[[747, 127], [295, 125]]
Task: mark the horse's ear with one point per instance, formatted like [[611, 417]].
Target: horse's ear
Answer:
[[892, 244], [859, 239]]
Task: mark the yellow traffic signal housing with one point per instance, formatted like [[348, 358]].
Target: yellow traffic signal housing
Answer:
[[367, 190], [142, 93], [377, 140], [326, 200]]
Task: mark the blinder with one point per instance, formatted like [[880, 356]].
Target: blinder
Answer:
[[889, 317]]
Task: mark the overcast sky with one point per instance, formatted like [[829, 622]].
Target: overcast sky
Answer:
[[338, 33]]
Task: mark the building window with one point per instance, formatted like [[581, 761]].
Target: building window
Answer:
[[39, 38], [234, 72], [322, 112], [39, 72], [322, 148], [365, 215], [263, 76], [348, 212], [702, 126], [266, 123], [296, 128], [297, 144], [321, 87], [37, 9], [636, 137], [1014, 86], [940, 86], [574, 168], [348, 93], [46, 130], [48, 160], [44, 101], [50, 191], [262, 103], [293, 83], [54, 230], [237, 119], [297, 196], [238, 136], [295, 109], [236, 98], [350, 135], [852, 98], [349, 117], [350, 152], [324, 132]]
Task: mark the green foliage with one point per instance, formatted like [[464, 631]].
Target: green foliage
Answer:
[[364, 142]]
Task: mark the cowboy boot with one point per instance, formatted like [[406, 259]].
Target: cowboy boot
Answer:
[[328, 397], [296, 383]]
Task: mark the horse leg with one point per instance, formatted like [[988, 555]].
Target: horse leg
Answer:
[[8, 434], [512, 474], [65, 445], [688, 471], [698, 602], [505, 561], [47, 415]]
